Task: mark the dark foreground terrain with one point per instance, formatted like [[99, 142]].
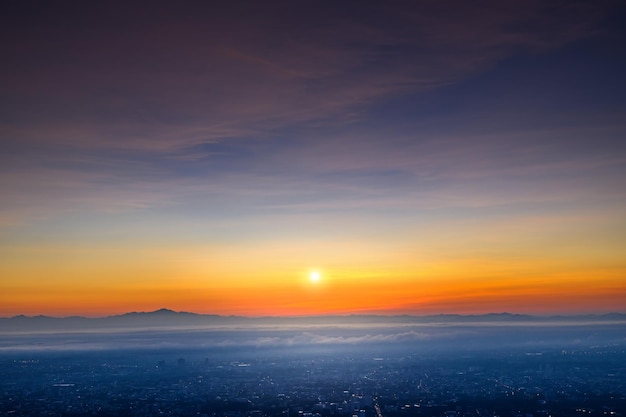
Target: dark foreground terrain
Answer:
[[350, 371]]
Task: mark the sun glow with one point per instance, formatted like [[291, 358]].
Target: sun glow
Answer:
[[314, 277]]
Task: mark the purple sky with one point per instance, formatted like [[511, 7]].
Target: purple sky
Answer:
[[241, 124]]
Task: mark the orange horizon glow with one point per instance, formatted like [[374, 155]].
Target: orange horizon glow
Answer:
[[354, 278], [292, 293]]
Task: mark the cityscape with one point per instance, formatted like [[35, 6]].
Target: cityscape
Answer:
[[480, 372], [313, 208]]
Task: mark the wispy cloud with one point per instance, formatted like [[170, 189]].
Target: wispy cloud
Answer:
[[222, 74]]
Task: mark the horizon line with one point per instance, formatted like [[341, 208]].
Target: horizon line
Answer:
[[304, 316]]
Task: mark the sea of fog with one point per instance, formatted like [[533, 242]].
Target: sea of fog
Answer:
[[405, 336]]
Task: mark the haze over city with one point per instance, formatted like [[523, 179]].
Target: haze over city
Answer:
[[309, 158]]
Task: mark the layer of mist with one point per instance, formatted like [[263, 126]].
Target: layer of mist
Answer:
[[166, 329]]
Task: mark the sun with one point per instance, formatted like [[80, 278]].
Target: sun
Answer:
[[314, 277]]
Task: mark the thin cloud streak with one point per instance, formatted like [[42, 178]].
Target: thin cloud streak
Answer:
[[247, 75]]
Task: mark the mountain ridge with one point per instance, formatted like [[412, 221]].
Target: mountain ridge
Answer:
[[165, 312], [169, 320]]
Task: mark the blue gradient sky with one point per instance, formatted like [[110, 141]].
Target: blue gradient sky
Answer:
[[431, 156]]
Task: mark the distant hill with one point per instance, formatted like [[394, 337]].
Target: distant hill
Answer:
[[168, 319]]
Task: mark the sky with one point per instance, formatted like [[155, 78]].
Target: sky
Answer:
[[420, 157]]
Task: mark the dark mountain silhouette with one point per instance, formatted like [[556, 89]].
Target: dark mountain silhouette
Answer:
[[166, 318]]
